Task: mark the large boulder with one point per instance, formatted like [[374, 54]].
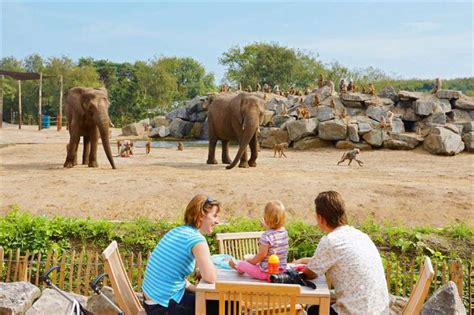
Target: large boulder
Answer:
[[309, 143], [442, 106], [397, 126], [449, 94], [412, 140], [410, 96], [323, 92], [389, 92], [324, 113], [135, 129], [353, 132], [442, 141], [159, 132], [301, 128], [461, 115], [424, 106], [178, 113], [376, 137], [432, 120], [465, 102], [196, 130], [270, 136], [468, 139], [279, 120], [396, 145], [445, 300], [51, 302], [348, 145], [406, 113], [332, 129], [376, 112], [355, 97], [198, 116], [97, 305], [379, 101], [159, 121], [17, 297], [180, 128], [363, 127]]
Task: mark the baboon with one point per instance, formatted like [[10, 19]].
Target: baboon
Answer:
[[276, 89], [321, 81], [307, 91], [386, 123], [180, 146], [343, 114], [372, 90], [351, 155], [280, 149], [437, 86], [291, 91], [333, 103], [342, 86], [258, 88], [317, 100], [239, 87], [126, 148], [351, 86], [148, 147], [225, 87], [248, 89], [266, 88], [303, 112]]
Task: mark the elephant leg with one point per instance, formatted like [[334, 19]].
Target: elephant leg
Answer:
[[254, 151], [243, 160], [86, 152], [71, 158], [225, 152], [94, 139], [211, 158]]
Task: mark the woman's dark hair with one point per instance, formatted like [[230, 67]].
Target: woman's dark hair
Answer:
[[331, 206]]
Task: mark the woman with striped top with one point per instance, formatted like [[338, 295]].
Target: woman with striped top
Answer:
[[165, 287]]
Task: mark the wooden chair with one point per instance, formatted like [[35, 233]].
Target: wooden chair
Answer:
[[420, 292], [256, 298], [238, 244], [126, 298]]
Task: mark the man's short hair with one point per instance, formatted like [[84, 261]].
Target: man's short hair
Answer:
[[331, 206]]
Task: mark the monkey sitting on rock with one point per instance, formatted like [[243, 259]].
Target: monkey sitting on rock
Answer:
[[280, 149], [351, 155], [180, 146], [303, 112]]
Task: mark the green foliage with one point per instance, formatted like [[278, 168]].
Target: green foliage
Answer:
[[270, 63], [42, 234]]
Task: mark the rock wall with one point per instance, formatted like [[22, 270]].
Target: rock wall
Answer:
[[442, 123]]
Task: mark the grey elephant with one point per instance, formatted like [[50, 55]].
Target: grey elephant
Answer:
[[234, 117], [87, 116]]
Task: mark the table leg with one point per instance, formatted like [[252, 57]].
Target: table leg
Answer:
[[200, 303], [324, 305]]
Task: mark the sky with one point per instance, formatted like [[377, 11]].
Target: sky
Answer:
[[409, 39]]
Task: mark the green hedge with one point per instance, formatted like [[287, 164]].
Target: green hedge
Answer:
[[41, 234]]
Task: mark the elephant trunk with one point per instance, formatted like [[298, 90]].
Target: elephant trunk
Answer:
[[103, 121], [249, 132]]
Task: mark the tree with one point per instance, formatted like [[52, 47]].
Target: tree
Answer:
[[272, 64]]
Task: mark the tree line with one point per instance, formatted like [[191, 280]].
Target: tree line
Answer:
[[145, 88]]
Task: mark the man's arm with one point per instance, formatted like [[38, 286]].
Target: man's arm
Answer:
[[303, 260], [309, 274]]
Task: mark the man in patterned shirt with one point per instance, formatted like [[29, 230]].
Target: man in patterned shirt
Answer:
[[351, 260]]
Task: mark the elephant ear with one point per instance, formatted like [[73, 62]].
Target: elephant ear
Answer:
[[87, 97]]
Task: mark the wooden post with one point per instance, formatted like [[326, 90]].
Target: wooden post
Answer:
[[1, 101], [455, 275], [60, 117], [19, 104], [39, 101]]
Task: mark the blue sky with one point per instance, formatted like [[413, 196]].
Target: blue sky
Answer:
[[411, 39]]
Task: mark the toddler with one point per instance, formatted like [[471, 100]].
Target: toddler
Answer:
[[273, 241]]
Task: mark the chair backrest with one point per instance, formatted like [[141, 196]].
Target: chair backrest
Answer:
[[420, 292], [123, 291], [238, 244], [256, 298]]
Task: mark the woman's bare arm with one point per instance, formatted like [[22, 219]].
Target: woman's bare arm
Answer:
[[204, 262]]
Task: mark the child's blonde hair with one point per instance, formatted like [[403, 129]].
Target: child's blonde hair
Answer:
[[274, 214]]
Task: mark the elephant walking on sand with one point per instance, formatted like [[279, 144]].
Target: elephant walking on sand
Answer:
[[234, 117], [87, 116]]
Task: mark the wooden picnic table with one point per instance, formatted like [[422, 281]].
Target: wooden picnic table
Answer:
[[207, 291]]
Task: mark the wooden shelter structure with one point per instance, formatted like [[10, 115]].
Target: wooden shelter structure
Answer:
[[23, 76]]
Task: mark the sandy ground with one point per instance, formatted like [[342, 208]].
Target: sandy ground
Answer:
[[410, 187]]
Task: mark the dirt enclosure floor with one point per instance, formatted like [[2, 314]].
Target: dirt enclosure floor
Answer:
[[410, 187]]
